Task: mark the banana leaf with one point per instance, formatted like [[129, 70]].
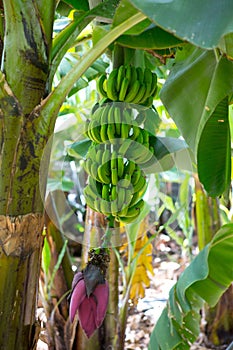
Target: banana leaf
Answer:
[[204, 280], [202, 23]]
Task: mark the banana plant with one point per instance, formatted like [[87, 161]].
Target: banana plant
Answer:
[[30, 104]]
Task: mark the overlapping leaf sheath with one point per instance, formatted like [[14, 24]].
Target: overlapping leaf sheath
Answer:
[[120, 145]]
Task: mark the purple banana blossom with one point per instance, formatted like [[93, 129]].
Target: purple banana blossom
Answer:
[[91, 309]]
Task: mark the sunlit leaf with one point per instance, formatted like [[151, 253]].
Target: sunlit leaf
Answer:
[[151, 38], [79, 149], [214, 152], [202, 23]]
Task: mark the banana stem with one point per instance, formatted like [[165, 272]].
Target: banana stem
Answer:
[[108, 234]]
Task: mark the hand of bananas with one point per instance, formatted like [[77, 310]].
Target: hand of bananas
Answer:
[[129, 84], [120, 147]]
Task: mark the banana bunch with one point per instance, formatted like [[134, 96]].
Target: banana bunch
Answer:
[[117, 186], [129, 84], [120, 147], [111, 123], [114, 123]]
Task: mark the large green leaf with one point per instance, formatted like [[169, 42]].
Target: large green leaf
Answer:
[[151, 38], [191, 95], [202, 23], [214, 152], [169, 152], [205, 279]]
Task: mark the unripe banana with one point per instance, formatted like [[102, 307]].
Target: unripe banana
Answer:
[[99, 85], [120, 198], [136, 176], [135, 132], [105, 207], [147, 76], [129, 168], [113, 193], [125, 131], [111, 85], [140, 94], [131, 95], [120, 77], [111, 130], [140, 184], [135, 209], [140, 74], [118, 120], [105, 192], [126, 220], [124, 147], [123, 89], [103, 174], [120, 166], [114, 176]]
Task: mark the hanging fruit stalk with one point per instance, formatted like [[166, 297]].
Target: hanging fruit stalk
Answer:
[[120, 149]]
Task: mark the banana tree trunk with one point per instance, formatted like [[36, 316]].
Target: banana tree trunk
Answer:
[[26, 38]]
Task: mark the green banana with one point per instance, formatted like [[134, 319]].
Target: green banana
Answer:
[[94, 130], [114, 160], [123, 89], [140, 184], [120, 166], [133, 77], [99, 85], [125, 145], [124, 131], [89, 192], [147, 76], [128, 198], [114, 176], [117, 119], [148, 103], [145, 136], [94, 170], [128, 72], [136, 208], [103, 174], [106, 157], [120, 197], [136, 132], [140, 94], [95, 185], [111, 85], [135, 198], [97, 205], [105, 207], [147, 93], [140, 74], [120, 77], [113, 193], [114, 208], [126, 220], [87, 166], [129, 168], [131, 95], [105, 192], [111, 130], [154, 85], [136, 176]]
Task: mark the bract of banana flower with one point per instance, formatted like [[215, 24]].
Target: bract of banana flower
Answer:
[[91, 306]]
